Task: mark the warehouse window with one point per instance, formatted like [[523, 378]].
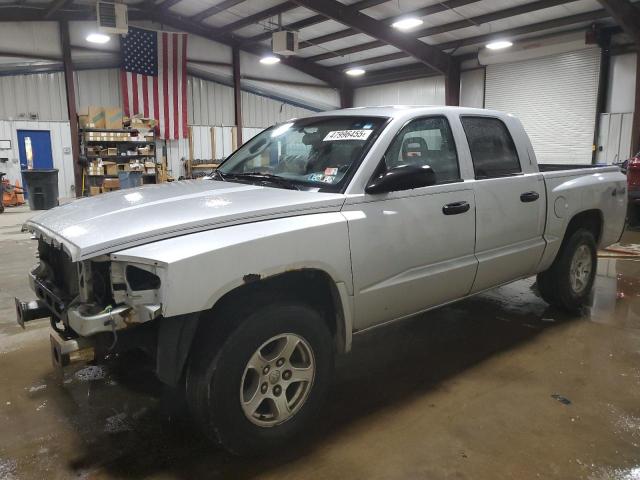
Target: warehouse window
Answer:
[[426, 141], [492, 149]]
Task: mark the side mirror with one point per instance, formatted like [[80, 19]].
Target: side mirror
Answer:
[[404, 177]]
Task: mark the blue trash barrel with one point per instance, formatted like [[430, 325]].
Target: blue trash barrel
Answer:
[[130, 179]]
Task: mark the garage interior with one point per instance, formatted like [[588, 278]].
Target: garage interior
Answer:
[[499, 385]]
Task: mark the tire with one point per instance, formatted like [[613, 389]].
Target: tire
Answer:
[[220, 379], [567, 283]]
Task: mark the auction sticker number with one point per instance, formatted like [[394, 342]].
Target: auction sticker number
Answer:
[[347, 135]]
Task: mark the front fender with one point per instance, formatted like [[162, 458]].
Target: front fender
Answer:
[[200, 268]]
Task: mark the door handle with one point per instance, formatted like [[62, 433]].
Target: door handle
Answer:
[[529, 197], [455, 208]]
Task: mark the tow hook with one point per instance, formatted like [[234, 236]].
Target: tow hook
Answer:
[[32, 310]]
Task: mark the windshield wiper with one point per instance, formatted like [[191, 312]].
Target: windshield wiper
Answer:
[[266, 177], [218, 173]]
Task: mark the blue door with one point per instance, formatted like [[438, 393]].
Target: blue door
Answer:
[[34, 147]]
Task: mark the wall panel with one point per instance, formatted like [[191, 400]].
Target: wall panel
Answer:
[[423, 91], [41, 94]]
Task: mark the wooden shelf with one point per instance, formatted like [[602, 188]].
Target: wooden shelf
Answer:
[[118, 157], [205, 165]]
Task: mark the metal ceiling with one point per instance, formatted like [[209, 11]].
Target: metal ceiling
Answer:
[[335, 35]]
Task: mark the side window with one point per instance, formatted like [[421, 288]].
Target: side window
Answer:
[[492, 149], [426, 141]]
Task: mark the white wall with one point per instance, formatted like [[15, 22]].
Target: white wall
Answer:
[[40, 94], [60, 142], [423, 91], [622, 84], [97, 87]]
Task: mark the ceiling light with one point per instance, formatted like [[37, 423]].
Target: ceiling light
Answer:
[[98, 38], [355, 72], [407, 23], [499, 44], [269, 60]]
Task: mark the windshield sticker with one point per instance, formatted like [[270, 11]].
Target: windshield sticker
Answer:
[[328, 179], [331, 171], [316, 177], [347, 135]]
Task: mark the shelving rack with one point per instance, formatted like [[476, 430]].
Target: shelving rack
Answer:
[[122, 145]]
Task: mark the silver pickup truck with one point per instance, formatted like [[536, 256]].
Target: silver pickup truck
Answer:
[[243, 287]]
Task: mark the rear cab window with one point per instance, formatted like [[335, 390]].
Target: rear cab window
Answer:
[[493, 151]]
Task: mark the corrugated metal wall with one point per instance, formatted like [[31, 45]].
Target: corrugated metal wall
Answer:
[[60, 140], [424, 91], [258, 111], [40, 94], [209, 103], [97, 87]]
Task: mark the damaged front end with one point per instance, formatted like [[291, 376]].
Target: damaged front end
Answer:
[[90, 303]]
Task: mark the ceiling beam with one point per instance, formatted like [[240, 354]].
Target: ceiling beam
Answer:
[[481, 39], [421, 12], [448, 27], [388, 75], [54, 7], [256, 17], [422, 52], [626, 15], [211, 11], [307, 22], [167, 4], [21, 14], [327, 75]]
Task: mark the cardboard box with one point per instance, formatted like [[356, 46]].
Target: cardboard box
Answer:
[[113, 117], [109, 152], [83, 121], [111, 184], [95, 191], [110, 168], [143, 123], [96, 117]]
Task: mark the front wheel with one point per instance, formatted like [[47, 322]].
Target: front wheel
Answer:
[[568, 282], [267, 381]]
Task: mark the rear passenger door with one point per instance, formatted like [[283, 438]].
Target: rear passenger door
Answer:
[[510, 204]]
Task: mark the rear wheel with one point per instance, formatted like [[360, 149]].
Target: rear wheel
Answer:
[[568, 282], [266, 382]]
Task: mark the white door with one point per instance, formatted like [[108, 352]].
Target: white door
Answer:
[[510, 205], [413, 249]]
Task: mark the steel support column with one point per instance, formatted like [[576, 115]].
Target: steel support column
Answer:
[[237, 93], [71, 105], [452, 85]]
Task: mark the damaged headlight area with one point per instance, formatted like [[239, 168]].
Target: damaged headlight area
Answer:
[[91, 296]]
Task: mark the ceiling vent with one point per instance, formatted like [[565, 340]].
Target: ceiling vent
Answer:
[[284, 42], [112, 17]]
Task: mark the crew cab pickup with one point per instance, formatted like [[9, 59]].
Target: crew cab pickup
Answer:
[[245, 285]]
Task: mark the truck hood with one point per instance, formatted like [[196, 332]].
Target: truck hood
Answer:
[[105, 223]]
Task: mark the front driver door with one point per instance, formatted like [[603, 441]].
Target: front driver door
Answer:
[[413, 249]]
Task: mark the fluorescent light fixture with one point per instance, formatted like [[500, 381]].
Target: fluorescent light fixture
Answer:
[[269, 60], [355, 72], [98, 38], [499, 44], [407, 23]]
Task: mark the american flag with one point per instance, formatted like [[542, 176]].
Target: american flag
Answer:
[[154, 78]]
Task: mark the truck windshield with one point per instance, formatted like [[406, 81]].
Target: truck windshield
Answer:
[[318, 153]]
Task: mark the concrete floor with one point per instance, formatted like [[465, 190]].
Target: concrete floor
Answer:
[[473, 391]]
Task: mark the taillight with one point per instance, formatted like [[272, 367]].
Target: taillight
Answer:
[[633, 172]]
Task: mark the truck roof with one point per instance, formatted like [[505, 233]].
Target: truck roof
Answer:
[[410, 111]]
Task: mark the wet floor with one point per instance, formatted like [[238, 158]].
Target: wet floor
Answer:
[[498, 386]]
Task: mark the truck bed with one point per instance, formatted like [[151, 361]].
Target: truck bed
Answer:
[[554, 167]]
